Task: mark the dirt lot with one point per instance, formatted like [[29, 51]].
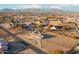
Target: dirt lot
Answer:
[[2, 32], [59, 41]]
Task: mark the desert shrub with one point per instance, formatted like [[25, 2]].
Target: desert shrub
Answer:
[[56, 51]]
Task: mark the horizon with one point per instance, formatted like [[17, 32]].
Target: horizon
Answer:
[[66, 7]]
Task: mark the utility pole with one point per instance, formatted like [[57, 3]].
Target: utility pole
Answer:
[[38, 39], [39, 43], [77, 24]]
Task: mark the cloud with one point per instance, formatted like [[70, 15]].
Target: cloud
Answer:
[[29, 6], [75, 4], [62, 6], [66, 5], [55, 7]]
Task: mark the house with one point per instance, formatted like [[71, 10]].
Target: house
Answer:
[[55, 25], [3, 45]]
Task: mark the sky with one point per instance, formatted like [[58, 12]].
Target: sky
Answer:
[[69, 7]]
